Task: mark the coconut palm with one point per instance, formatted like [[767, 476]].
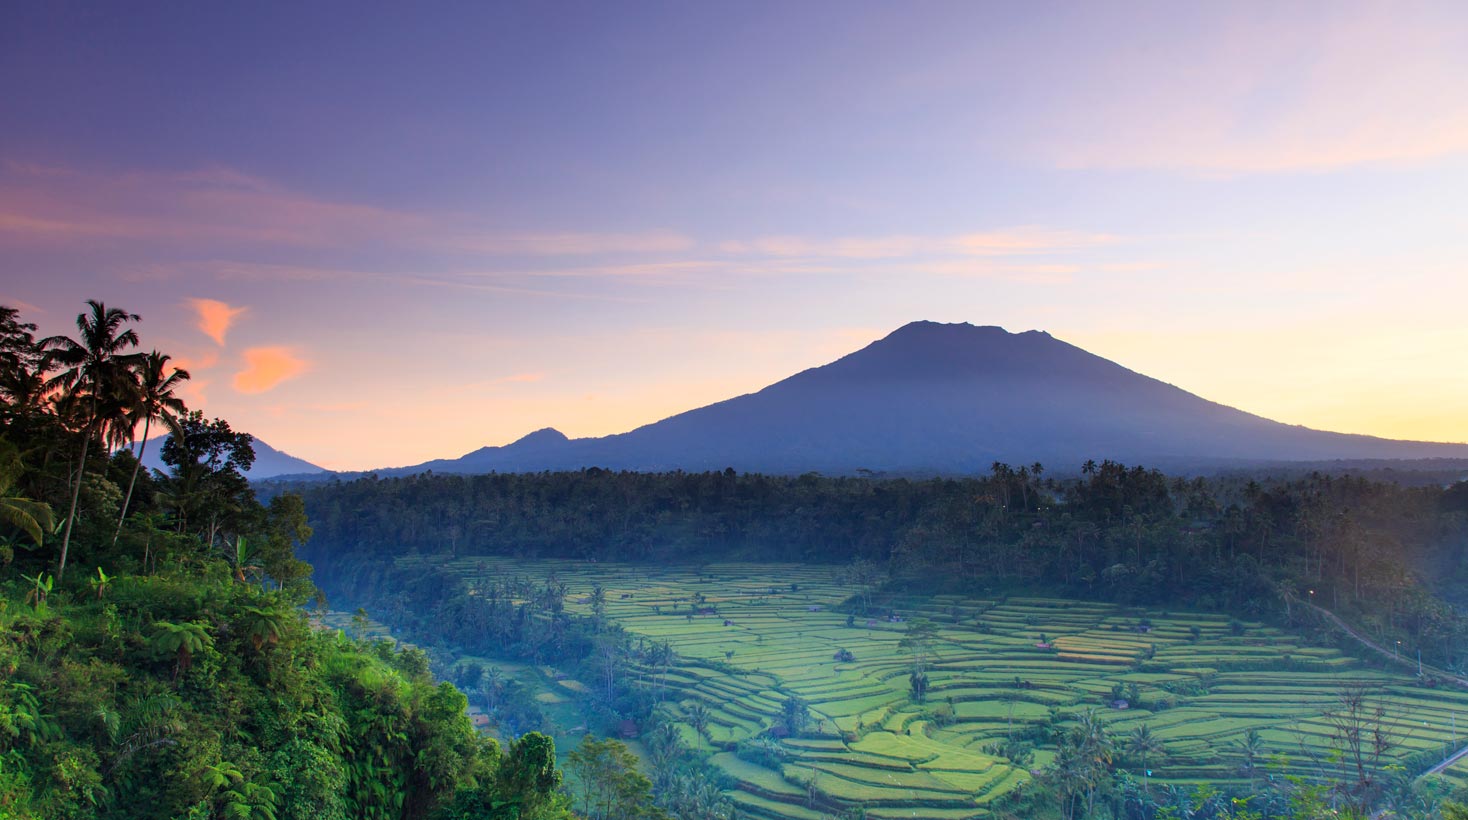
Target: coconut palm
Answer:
[[699, 717], [1142, 742], [1251, 749], [96, 373], [155, 399]]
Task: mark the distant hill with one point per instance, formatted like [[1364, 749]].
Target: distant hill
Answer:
[[949, 398], [269, 462]]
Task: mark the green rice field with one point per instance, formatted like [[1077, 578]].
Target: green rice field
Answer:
[[769, 631]]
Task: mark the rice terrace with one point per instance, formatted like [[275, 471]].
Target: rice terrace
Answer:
[[1216, 701]]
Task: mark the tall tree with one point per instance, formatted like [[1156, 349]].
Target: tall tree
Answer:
[[918, 642], [96, 372], [208, 461], [1143, 742], [21, 363], [155, 399]]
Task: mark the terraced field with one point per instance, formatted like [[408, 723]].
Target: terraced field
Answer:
[[748, 636]]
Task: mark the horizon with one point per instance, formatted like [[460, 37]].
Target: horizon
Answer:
[[417, 235]]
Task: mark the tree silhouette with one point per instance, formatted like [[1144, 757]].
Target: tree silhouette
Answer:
[[155, 399], [97, 379]]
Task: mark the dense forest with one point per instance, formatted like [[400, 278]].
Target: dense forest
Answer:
[[156, 659], [1387, 557]]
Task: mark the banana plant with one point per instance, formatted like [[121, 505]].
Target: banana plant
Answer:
[[243, 560], [101, 583], [41, 585]]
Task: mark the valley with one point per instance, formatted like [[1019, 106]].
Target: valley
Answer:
[[1224, 702]]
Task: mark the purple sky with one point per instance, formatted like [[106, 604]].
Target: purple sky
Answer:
[[382, 233]]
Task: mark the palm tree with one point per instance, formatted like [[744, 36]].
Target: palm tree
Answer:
[[1251, 748], [97, 371], [699, 717], [1142, 742], [155, 400]]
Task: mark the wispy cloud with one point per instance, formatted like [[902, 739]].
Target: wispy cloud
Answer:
[[575, 244], [215, 317], [267, 367], [26, 308], [47, 205], [1027, 239]]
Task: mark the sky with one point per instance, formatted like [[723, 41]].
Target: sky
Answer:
[[381, 233]]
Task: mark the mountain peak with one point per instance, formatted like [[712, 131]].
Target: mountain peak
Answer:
[[542, 437], [949, 398], [953, 350], [924, 327]]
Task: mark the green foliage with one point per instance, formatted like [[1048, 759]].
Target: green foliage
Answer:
[[182, 679], [608, 784]]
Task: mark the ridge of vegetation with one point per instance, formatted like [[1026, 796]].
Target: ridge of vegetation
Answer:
[[156, 660]]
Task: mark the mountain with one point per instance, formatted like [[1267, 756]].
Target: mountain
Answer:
[[269, 462], [948, 398]]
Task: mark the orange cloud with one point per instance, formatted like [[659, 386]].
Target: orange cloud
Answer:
[[194, 364], [194, 392], [266, 367], [215, 317]]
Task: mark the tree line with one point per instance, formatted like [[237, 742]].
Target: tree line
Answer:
[[1388, 557]]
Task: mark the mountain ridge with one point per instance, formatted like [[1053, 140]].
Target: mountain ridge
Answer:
[[946, 398], [269, 462]]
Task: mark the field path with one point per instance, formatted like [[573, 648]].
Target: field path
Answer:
[[1379, 649], [1438, 769], [1395, 658]]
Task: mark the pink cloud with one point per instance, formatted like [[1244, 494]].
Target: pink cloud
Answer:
[[215, 317], [267, 367]]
